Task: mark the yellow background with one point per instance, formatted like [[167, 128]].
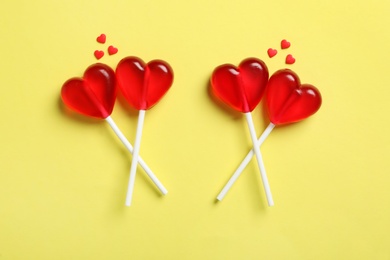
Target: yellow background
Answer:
[[63, 178]]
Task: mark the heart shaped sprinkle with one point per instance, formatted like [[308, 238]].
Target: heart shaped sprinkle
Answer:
[[272, 52], [112, 50], [287, 101], [98, 54], [285, 44], [101, 38], [240, 87], [290, 59]]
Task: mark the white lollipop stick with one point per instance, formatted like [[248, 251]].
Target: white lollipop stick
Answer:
[[244, 163], [141, 162], [259, 158], [134, 162]]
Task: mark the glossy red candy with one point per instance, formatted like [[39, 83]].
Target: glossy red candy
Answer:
[[240, 87], [94, 94], [288, 101], [143, 85]]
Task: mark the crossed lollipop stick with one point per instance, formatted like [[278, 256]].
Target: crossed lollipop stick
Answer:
[[287, 101], [142, 85]]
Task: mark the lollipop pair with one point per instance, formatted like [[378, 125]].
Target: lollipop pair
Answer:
[[142, 85], [286, 100]]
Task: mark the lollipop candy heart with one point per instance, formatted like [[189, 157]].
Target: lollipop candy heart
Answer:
[[288, 101], [143, 85], [94, 94], [242, 88]]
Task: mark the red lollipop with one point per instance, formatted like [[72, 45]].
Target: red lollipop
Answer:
[[242, 88], [94, 95], [287, 101], [142, 85]]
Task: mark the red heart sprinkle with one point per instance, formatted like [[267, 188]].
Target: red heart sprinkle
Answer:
[[94, 94], [143, 85], [288, 101], [272, 52], [98, 54], [242, 88], [101, 38], [285, 44], [290, 59], [112, 50]]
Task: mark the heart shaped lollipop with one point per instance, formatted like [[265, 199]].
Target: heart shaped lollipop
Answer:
[[242, 88], [287, 101], [94, 94], [142, 85]]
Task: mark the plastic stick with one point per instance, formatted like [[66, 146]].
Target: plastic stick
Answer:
[[259, 158], [134, 162], [141, 162], [244, 163]]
